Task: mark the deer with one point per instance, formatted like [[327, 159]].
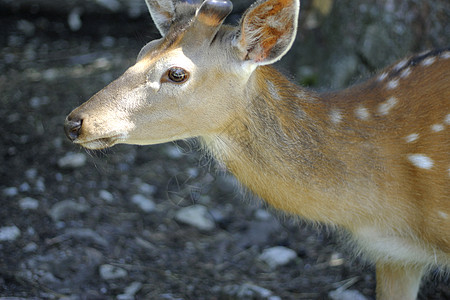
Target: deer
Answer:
[[372, 159]]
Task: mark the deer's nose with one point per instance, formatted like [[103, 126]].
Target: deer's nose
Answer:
[[72, 127]]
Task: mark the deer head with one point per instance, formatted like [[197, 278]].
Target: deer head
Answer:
[[192, 81]]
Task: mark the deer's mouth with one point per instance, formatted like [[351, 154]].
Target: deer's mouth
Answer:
[[100, 143]]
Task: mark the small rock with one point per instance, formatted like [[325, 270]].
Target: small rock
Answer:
[[26, 27], [87, 235], [9, 233], [346, 295], [30, 247], [24, 187], [134, 9], [112, 5], [31, 231], [110, 272], [144, 203], [258, 233], [67, 208], [72, 161], [10, 191], [174, 152], [37, 102], [50, 74], [130, 291], [169, 296], [28, 203], [106, 196], [47, 278], [31, 174], [277, 256], [336, 260], [146, 188], [197, 216], [249, 291], [40, 184], [74, 19], [108, 41], [263, 215]]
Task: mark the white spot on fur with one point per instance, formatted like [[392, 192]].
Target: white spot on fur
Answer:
[[412, 137], [335, 116], [405, 73], [392, 84], [385, 107], [443, 215], [446, 55], [155, 85], [437, 127], [421, 161], [362, 113], [429, 61], [382, 76], [400, 65], [447, 119]]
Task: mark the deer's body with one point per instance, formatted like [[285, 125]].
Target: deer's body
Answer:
[[373, 159]]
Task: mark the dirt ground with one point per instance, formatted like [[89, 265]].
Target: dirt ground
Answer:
[[76, 231]]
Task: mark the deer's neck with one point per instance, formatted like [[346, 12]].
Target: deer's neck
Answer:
[[282, 146]]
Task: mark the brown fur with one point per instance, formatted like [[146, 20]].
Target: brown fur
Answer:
[[373, 159]]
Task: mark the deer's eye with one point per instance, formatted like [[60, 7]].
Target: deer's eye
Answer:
[[176, 75]]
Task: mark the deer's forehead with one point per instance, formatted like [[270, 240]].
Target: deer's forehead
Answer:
[[176, 57]]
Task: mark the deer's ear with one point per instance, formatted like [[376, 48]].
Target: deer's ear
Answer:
[[268, 29], [162, 12]]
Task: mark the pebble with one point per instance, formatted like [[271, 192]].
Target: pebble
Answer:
[[31, 174], [9, 233], [10, 191], [340, 294], [110, 272], [66, 208], [24, 187], [28, 203], [112, 5], [259, 233], [50, 74], [37, 102], [86, 234], [277, 256], [146, 188], [263, 215], [40, 185], [130, 291], [249, 291], [30, 247], [74, 19], [108, 41], [197, 216], [174, 152], [26, 27], [145, 204], [106, 196], [72, 161]]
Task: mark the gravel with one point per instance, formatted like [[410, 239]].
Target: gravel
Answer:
[[85, 217]]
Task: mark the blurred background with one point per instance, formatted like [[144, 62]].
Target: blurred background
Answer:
[[162, 222]]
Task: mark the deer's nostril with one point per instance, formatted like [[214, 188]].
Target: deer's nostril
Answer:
[[73, 128]]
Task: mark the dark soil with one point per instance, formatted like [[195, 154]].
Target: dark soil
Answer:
[[45, 71]]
